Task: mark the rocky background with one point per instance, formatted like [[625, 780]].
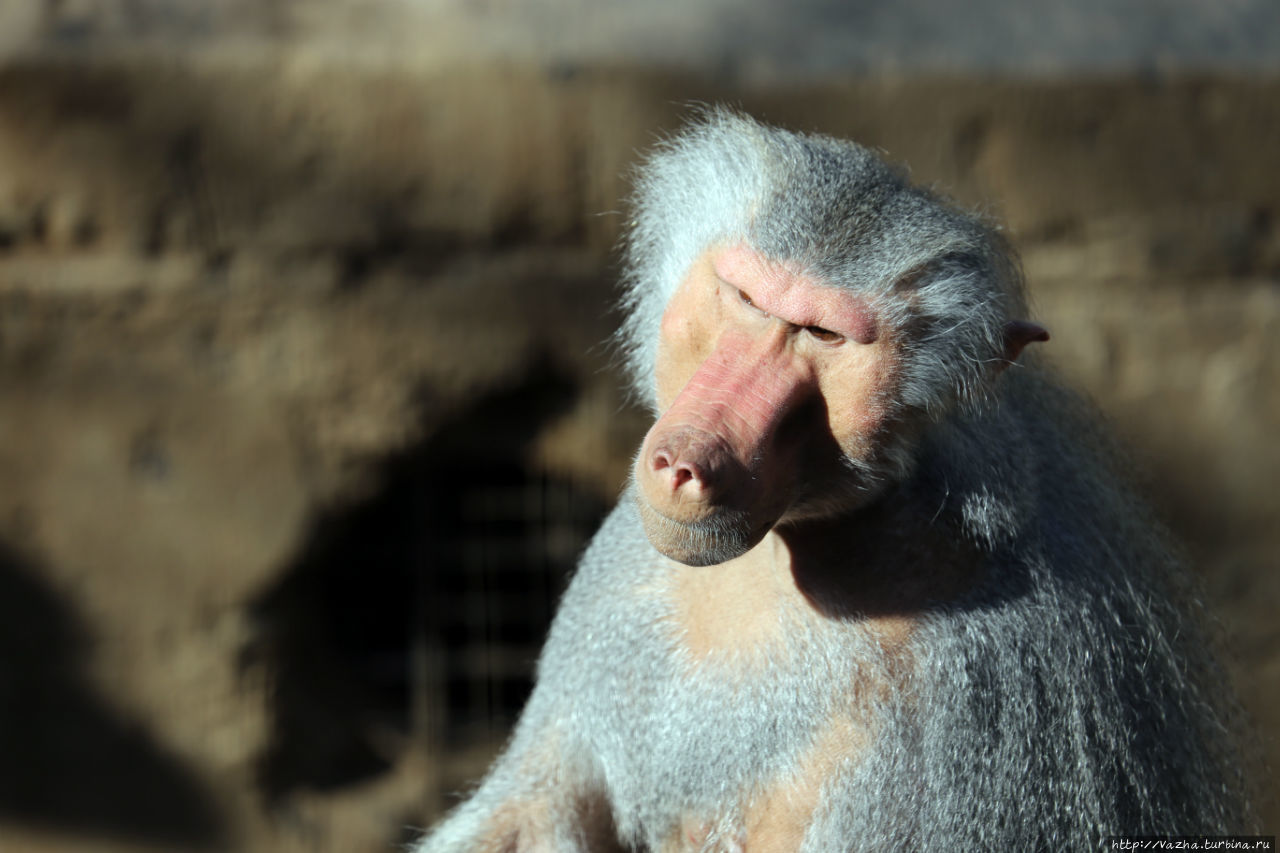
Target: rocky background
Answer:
[[306, 404]]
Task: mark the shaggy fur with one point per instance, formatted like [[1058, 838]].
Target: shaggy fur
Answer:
[[1068, 695]]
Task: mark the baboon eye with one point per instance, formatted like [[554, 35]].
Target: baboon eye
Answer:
[[825, 335], [746, 300]]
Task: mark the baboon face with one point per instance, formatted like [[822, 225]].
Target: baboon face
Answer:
[[774, 388]]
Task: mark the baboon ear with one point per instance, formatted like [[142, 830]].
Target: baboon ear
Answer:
[[1017, 334]]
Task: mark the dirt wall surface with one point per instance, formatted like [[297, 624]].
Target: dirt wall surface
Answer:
[[290, 307]]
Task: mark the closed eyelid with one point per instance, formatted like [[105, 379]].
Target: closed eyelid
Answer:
[[827, 318]]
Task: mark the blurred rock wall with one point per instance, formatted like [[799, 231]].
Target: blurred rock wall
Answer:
[[269, 309]]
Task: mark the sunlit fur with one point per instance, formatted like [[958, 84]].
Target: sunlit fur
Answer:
[[836, 210], [1068, 695]]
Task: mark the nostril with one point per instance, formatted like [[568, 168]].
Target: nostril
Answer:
[[675, 472], [682, 475]]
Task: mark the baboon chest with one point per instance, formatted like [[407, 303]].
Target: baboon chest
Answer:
[[730, 730]]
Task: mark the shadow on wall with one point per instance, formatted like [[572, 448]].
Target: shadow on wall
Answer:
[[70, 761], [416, 616]]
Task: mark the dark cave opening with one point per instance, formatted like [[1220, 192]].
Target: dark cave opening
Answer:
[[420, 611]]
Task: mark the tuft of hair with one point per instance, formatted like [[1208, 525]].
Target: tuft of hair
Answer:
[[942, 280]]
